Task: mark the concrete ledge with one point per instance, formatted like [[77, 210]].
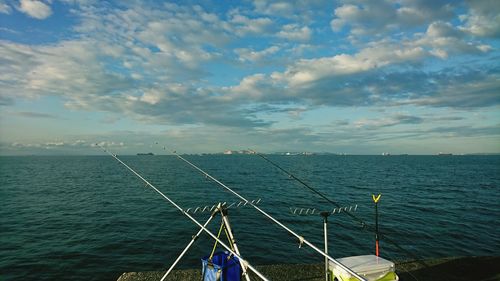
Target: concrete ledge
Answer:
[[285, 272], [456, 268], [452, 269]]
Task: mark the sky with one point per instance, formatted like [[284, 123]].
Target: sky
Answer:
[[356, 77]]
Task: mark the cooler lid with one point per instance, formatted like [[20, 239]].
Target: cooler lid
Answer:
[[366, 264]]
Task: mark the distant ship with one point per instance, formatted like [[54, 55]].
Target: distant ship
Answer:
[[145, 154], [386, 154], [444, 154]]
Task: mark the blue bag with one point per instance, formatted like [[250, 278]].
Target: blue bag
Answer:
[[222, 267]]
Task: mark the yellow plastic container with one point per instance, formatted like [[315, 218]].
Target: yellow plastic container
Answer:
[[371, 267]]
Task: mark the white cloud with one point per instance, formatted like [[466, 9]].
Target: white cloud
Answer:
[[443, 29], [344, 14], [364, 18], [152, 97], [273, 8], [375, 75], [380, 17], [378, 55], [483, 18], [302, 11], [35, 9], [57, 143], [294, 32], [79, 143], [336, 80], [251, 87], [244, 25], [439, 53], [249, 55], [83, 72], [444, 39], [111, 144], [69, 70], [5, 8]]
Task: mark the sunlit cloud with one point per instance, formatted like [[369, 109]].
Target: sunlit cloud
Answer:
[[35, 9]]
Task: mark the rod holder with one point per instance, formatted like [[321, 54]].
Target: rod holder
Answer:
[[314, 211], [207, 208]]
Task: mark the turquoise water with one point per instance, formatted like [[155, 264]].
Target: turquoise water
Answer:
[[88, 218]]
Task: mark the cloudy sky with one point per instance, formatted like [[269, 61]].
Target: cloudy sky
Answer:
[[362, 77]]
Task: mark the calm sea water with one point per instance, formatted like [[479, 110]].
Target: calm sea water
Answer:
[[88, 218]]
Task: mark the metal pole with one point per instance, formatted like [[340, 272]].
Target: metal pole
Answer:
[[187, 247], [376, 199], [225, 218], [325, 228], [376, 230]]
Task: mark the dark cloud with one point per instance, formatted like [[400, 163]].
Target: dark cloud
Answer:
[[483, 18], [408, 119], [456, 88], [289, 109], [459, 87], [370, 140], [36, 115], [6, 101], [447, 118], [466, 131], [466, 87], [340, 123], [464, 90]]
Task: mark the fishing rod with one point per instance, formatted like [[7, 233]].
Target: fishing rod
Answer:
[[354, 217], [185, 213], [212, 215], [302, 240]]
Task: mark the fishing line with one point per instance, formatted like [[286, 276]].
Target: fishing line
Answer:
[[185, 213], [301, 238], [354, 217]]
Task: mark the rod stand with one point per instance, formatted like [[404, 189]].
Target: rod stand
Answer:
[[225, 220], [223, 211], [376, 199], [325, 228]]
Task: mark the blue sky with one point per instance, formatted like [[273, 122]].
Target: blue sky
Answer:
[[359, 77]]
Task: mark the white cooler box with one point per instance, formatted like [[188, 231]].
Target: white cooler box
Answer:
[[371, 267]]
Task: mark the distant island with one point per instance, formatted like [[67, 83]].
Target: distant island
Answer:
[[145, 154], [229, 152], [247, 152], [312, 153]]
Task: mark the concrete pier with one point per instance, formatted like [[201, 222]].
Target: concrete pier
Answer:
[[452, 269]]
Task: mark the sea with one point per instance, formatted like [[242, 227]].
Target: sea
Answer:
[[89, 218]]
